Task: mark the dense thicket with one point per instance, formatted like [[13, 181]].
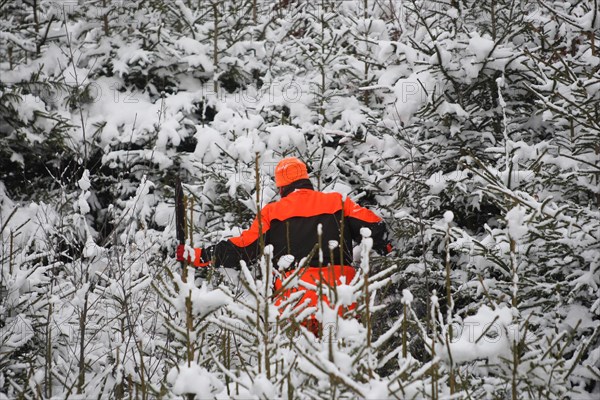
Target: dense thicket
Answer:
[[472, 127]]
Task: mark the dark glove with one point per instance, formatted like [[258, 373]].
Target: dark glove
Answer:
[[201, 258]]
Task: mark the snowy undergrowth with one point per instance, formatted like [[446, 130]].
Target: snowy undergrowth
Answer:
[[471, 127]]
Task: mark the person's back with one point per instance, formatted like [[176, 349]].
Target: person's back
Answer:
[[302, 219], [308, 221], [303, 223]]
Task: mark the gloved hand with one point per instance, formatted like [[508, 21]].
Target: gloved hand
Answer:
[[179, 252], [388, 248], [201, 258]]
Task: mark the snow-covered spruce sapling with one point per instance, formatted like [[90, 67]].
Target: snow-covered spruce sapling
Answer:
[[195, 341], [343, 355], [130, 304], [529, 286], [23, 306]]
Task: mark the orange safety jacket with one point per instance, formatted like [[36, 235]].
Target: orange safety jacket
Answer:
[[292, 225]]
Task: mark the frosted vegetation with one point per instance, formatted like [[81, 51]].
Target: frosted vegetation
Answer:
[[472, 127]]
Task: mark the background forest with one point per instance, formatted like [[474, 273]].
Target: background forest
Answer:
[[471, 127]]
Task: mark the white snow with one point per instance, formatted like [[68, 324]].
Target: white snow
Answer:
[[196, 380], [84, 182], [515, 219], [391, 105], [263, 388], [411, 94], [407, 297], [285, 261], [483, 335], [448, 217], [480, 46], [284, 138]]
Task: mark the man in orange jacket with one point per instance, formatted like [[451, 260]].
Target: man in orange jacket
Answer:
[[292, 226]]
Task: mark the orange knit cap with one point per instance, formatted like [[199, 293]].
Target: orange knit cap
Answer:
[[289, 170]]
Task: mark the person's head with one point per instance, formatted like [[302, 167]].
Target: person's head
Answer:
[[288, 171]]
